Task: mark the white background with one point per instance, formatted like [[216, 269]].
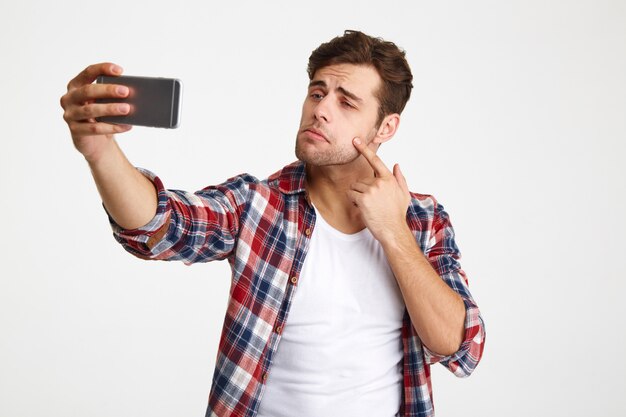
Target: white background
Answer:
[[516, 124]]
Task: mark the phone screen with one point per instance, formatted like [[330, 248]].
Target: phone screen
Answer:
[[154, 102]]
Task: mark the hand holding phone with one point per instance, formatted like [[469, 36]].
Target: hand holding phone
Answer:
[[154, 102]]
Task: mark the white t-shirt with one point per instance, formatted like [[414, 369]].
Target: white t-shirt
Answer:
[[340, 352]]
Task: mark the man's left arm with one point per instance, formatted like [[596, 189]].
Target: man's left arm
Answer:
[[438, 313]]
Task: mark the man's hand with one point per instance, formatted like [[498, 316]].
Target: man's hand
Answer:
[[91, 137], [129, 197], [382, 200]]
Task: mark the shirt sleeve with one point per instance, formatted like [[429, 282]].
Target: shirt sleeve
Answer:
[[189, 227], [444, 256]]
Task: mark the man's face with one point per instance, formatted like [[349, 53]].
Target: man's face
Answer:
[[340, 105]]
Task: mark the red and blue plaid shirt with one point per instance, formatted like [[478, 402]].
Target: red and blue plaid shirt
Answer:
[[263, 229]]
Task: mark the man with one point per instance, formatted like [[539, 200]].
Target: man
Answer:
[[345, 285]]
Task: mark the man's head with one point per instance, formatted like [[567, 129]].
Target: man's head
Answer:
[[387, 59], [359, 86]]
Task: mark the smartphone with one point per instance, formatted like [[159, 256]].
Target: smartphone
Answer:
[[154, 102]]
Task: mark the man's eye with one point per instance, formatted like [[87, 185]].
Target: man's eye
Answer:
[[317, 96], [347, 104]]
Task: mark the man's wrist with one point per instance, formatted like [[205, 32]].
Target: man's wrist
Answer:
[[103, 154], [397, 238]]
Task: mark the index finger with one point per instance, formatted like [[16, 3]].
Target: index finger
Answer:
[[374, 160], [89, 74]]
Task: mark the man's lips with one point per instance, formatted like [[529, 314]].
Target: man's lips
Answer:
[[315, 134]]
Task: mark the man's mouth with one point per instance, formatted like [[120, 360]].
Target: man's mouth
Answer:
[[315, 134]]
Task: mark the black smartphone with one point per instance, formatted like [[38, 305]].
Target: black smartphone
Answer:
[[154, 102]]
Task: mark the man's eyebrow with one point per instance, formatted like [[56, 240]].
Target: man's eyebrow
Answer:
[[322, 83], [349, 94], [317, 83]]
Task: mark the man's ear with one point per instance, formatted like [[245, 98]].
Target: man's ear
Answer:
[[387, 128]]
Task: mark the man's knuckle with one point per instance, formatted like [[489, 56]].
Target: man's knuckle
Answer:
[[87, 111], [86, 91], [93, 128]]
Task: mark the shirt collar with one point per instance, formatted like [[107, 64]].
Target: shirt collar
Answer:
[[291, 179]]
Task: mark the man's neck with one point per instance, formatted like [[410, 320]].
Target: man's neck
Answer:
[[327, 187]]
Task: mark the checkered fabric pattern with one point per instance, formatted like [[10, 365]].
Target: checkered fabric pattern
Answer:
[[263, 229]]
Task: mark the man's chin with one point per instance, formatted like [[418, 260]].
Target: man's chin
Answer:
[[322, 159]]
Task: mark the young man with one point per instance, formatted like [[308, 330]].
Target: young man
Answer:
[[346, 286]]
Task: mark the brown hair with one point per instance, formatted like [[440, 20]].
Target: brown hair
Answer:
[[357, 48]]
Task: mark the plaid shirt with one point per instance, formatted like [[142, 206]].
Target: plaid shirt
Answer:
[[263, 229]]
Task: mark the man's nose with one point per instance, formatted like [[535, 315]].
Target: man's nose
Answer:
[[322, 111]]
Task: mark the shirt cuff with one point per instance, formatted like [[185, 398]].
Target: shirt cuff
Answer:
[[146, 237], [473, 330]]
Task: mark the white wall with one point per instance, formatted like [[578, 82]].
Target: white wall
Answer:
[[517, 124]]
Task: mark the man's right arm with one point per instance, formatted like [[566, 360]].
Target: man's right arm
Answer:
[[129, 197]]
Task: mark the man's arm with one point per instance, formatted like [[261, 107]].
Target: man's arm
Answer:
[[148, 220], [436, 310], [129, 197]]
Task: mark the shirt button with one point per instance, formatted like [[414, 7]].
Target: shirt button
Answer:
[[294, 280], [279, 329], [264, 377], [307, 232]]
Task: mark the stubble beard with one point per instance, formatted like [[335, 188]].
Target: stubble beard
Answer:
[[336, 155]]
